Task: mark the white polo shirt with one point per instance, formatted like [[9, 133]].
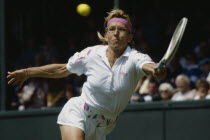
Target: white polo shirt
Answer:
[[108, 90]]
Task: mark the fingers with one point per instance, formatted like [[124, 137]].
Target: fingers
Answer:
[[11, 81], [9, 72], [156, 71], [16, 78], [160, 74], [15, 82], [163, 69], [10, 75]]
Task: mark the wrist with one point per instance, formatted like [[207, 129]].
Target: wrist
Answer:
[[26, 72]]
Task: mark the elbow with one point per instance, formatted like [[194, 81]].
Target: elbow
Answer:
[[63, 73]]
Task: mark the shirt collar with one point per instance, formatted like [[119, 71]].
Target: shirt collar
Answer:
[[127, 51], [102, 51]]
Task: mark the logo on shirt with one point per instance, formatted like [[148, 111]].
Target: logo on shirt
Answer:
[[80, 58], [124, 73]]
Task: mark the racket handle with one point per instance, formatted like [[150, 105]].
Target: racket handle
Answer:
[[160, 65]]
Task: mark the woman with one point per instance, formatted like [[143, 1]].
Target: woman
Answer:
[[166, 91], [202, 88], [183, 91], [113, 71]]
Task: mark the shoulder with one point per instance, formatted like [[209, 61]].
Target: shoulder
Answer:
[[93, 49], [177, 94], [137, 55], [89, 51], [134, 52], [191, 92]]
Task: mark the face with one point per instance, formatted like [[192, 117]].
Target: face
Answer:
[[182, 86], [165, 94], [203, 89], [117, 35], [152, 88]]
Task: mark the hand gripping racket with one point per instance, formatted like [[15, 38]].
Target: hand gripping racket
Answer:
[[174, 44]]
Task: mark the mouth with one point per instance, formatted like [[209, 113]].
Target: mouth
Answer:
[[116, 40]]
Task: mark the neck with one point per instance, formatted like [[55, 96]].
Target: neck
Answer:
[[115, 53]]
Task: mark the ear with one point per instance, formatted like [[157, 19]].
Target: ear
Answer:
[[105, 37]]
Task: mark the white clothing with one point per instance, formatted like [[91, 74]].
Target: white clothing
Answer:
[[180, 96], [73, 114], [107, 89], [197, 97], [148, 98], [207, 96]]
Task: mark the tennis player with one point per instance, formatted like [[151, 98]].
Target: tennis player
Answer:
[[113, 71]]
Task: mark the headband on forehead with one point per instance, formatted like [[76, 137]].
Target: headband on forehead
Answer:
[[122, 21]]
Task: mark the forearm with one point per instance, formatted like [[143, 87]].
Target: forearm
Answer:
[[139, 85], [150, 69], [48, 71]]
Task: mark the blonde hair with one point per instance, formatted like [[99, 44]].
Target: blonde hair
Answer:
[[115, 13], [166, 86], [182, 78]]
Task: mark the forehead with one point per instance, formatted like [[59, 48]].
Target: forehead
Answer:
[[116, 24], [181, 81], [151, 84]]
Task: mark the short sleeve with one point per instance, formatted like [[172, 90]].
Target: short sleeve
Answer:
[[142, 59], [77, 63]]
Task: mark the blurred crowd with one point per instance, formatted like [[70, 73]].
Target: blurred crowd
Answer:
[[149, 90], [188, 73], [188, 78]]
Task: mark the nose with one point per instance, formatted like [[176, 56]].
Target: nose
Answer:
[[116, 31]]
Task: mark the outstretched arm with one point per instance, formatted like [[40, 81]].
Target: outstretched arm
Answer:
[[150, 69], [47, 71]]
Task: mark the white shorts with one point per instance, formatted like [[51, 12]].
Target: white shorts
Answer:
[[78, 114]]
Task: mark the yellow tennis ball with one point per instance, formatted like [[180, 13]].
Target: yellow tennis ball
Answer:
[[83, 9]]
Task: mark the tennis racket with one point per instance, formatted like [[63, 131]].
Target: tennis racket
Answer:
[[174, 43]]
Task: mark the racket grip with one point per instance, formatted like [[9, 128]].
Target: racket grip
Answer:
[[160, 65]]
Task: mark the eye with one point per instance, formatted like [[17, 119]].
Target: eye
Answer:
[[111, 29], [121, 29]]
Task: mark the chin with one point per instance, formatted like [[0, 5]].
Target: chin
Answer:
[[116, 47]]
